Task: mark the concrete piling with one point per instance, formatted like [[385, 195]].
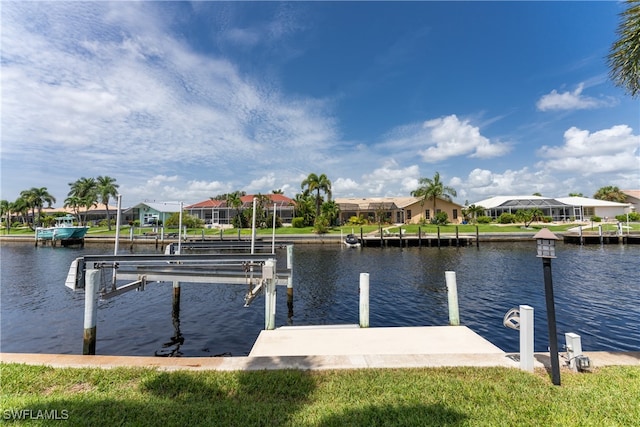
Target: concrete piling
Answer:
[[452, 295], [364, 300], [91, 286]]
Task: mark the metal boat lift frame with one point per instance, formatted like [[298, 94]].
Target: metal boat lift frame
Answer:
[[258, 271]]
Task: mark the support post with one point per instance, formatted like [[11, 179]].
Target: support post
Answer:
[[452, 296], [268, 275], [477, 237], [253, 226], [364, 300], [526, 338], [551, 320], [91, 286], [438, 236]]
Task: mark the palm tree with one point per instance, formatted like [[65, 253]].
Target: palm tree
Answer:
[[624, 57], [5, 213], [74, 203], [317, 183], [21, 208], [433, 189], [107, 188], [86, 190], [35, 199], [234, 201], [331, 210], [475, 211], [304, 207], [610, 193]]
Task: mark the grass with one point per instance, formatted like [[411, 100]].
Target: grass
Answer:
[[409, 229], [376, 397]]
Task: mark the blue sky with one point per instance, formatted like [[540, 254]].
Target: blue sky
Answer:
[[184, 101]]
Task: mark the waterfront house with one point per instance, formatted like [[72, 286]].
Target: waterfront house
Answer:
[[396, 210], [150, 213], [558, 209], [217, 213]]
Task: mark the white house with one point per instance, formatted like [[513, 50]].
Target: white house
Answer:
[[559, 209]]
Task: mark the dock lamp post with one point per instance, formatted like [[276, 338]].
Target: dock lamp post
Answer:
[[546, 248]]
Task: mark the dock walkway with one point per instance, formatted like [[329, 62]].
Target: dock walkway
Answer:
[[330, 347]]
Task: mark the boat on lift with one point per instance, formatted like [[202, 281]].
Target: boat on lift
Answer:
[[63, 229]]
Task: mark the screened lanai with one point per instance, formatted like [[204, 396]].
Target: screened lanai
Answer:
[[558, 211]]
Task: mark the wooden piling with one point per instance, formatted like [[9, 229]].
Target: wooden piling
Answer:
[[91, 286], [457, 238], [438, 236], [419, 237], [477, 237]]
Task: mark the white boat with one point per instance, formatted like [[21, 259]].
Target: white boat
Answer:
[[62, 230], [352, 241]]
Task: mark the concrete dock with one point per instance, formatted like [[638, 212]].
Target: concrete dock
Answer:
[[336, 347]]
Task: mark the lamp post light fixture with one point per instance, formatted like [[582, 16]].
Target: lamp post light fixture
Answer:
[[546, 248]]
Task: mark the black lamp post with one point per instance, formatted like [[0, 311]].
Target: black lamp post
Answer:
[[546, 247]]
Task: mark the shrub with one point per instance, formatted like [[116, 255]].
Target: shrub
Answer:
[[506, 218], [633, 216], [357, 220], [441, 218], [484, 220], [547, 219], [297, 222], [596, 218], [321, 226]]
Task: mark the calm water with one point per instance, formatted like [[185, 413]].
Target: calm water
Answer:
[[596, 288]]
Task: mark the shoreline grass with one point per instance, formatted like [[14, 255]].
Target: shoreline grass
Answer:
[[372, 397], [409, 229]]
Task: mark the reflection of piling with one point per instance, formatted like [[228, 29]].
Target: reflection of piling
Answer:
[[290, 282], [92, 284], [364, 300]]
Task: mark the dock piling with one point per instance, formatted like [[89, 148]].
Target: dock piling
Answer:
[[268, 275], [526, 338], [452, 295], [92, 284], [364, 300]]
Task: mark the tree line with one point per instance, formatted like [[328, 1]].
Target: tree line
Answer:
[[84, 194]]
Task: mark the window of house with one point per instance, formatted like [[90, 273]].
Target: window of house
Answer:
[[427, 214], [408, 214], [455, 214]]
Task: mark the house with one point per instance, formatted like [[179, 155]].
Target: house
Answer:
[[94, 215], [398, 210], [633, 198], [217, 213], [153, 212], [558, 209], [595, 207]]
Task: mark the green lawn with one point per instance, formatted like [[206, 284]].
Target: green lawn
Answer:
[[375, 397], [409, 229]]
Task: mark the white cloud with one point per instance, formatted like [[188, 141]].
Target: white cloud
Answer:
[[608, 150], [570, 101], [390, 180]]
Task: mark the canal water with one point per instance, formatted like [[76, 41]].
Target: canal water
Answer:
[[597, 290]]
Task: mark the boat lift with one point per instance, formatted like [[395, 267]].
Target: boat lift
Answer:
[[101, 277]]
